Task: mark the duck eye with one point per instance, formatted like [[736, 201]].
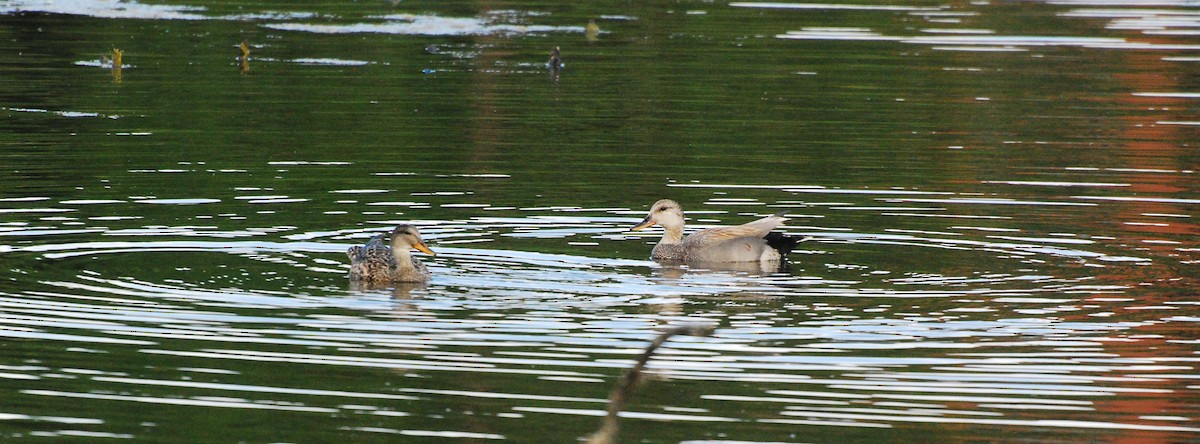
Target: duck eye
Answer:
[[661, 209]]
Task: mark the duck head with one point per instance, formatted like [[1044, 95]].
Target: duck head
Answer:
[[665, 213], [406, 237]]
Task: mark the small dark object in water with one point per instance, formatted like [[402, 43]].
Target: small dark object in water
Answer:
[[433, 49], [555, 62], [607, 434]]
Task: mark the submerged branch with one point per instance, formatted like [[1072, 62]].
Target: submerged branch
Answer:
[[607, 433]]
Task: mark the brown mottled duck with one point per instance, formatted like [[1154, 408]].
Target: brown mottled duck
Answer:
[[377, 263]]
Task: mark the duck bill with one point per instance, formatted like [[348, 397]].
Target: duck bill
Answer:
[[420, 246], [644, 224]]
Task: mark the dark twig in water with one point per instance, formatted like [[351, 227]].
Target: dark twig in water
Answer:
[[607, 433]]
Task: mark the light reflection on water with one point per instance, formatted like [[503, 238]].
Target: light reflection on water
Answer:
[[551, 317], [1045, 299]]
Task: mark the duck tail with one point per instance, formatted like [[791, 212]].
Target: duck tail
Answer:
[[782, 242], [360, 252], [376, 241]]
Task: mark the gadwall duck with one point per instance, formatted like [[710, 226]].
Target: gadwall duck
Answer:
[[375, 262], [748, 242]]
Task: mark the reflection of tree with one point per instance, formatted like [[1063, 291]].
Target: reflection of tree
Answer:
[[484, 126], [1152, 145]]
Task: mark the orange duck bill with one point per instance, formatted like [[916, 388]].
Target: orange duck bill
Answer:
[[420, 246]]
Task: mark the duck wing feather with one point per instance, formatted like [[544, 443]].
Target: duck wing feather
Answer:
[[757, 229]]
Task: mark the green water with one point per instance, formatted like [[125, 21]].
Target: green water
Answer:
[[1001, 199]]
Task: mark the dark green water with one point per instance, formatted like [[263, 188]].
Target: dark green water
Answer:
[[1002, 199]]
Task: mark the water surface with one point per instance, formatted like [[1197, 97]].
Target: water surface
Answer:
[[1001, 200]]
